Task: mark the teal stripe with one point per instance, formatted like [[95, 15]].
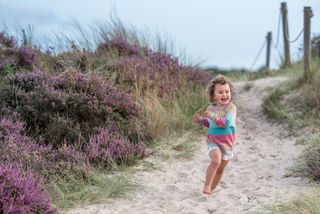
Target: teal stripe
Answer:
[[221, 131], [214, 125]]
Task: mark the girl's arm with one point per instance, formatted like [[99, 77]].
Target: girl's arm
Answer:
[[201, 120], [229, 120]]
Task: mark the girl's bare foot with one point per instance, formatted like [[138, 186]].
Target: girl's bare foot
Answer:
[[213, 190], [206, 191]]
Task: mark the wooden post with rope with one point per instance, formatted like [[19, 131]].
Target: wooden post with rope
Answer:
[[285, 29], [307, 43], [269, 39]]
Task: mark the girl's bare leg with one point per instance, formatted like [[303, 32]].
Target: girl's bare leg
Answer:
[[215, 156], [218, 175]]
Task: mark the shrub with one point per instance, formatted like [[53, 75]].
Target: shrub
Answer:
[[26, 57], [108, 147], [157, 72], [21, 192], [6, 41], [17, 147], [19, 58], [121, 47], [69, 106]]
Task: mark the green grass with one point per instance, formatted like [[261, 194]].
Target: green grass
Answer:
[[97, 188], [297, 103], [276, 110], [308, 203]]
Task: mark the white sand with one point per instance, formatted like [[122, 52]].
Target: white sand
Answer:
[[258, 175]]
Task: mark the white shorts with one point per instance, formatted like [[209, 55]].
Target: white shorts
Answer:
[[226, 154]]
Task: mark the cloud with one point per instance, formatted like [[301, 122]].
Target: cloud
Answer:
[[13, 12]]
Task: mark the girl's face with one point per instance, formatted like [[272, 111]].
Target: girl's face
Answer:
[[222, 94]]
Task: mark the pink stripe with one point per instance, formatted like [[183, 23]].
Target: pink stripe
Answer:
[[222, 139]]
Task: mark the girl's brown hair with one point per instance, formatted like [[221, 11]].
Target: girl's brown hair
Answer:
[[219, 79]]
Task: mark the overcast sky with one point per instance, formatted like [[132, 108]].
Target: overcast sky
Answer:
[[224, 33]]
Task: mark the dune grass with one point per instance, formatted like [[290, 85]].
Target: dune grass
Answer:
[[297, 103], [98, 188], [305, 203]]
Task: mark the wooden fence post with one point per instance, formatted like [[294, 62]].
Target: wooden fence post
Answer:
[[285, 29], [269, 39], [307, 43]]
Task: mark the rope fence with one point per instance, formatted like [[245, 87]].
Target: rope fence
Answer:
[[285, 60]]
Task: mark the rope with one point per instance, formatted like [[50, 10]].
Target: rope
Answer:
[[278, 30], [297, 36], [292, 41], [254, 62]]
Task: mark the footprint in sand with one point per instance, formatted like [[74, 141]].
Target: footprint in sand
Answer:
[[201, 198], [197, 197], [175, 208], [171, 188], [182, 175]]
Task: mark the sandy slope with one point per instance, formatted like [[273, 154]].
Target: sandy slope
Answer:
[[257, 175]]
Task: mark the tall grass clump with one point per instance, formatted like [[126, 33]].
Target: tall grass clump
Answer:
[[306, 203]]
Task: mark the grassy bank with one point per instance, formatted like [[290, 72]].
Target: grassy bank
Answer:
[[297, 103], [78, 118]]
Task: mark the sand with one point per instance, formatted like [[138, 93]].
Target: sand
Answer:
[[258, 176]]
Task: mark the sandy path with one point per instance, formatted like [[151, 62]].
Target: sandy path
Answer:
[[257, 175]]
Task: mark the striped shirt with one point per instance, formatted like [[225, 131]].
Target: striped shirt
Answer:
[[221, 124]]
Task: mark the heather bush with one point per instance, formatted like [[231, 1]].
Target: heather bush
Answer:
[[69, 106], [121, 47], [107, 147], [21, 192], [26, 58], [157, 72], [6, 41], [23, 58], [17, 147]]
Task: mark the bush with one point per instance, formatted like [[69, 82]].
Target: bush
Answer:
[[70, 106], [23, 58], [108, 147], [16, 147], [21, 193], [121, 47], [6, 41], [157, 72]]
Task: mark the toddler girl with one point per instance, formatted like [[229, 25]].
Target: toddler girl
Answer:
[[220, 119]]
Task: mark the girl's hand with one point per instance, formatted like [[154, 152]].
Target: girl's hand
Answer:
[[207, 114], [196, 117], [217, 118]]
